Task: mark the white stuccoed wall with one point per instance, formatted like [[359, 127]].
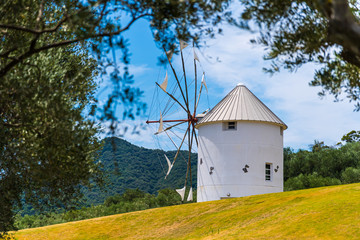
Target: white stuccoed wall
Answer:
[[228, 151]]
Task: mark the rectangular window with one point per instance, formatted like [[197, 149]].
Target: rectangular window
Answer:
[[229, 126], [281, 131], [268, 168]]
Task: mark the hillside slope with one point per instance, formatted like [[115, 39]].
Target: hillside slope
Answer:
[[319, 213], [128, 166]]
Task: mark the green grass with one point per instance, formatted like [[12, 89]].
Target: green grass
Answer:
[[319, 213]]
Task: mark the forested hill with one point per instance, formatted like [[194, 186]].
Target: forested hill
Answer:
[[128, 166]]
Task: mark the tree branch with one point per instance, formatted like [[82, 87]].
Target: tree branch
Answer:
[[38, 31], [34, 50], [344, 27], [13, 125], [6, 54], [19, 28]]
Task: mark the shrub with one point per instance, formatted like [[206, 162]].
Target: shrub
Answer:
[[350, 175], [309, 181]]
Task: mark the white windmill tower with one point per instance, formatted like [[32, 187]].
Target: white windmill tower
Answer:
[[240, 150]]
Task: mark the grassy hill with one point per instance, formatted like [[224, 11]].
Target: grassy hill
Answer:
[[319, 213]]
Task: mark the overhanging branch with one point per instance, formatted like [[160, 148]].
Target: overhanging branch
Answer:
[[34, 50], [344, 27]]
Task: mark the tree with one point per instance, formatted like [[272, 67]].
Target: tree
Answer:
[[47, 83], [47, 148], [318, 146], [323, 32], [352, 136]]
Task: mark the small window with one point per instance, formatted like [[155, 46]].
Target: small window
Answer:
[[281, 131], [229, 126], [268, 168]]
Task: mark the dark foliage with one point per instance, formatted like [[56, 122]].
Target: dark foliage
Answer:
[[352, 136], [47, 148], [130, 200], [127, 166], [323, 166]]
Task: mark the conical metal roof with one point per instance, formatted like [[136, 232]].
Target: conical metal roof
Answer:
[[241, 105]]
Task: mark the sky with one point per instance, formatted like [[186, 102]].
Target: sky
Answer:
[[288, 95]]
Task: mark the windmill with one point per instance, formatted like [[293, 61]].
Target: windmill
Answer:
[[177, 118]]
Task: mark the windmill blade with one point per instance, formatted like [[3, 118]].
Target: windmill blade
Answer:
[[183, 44], [196, 56], [203, 81], [169, 165], [181, 192], [190, 196], [169, 55], [161, 125], [163, 86]]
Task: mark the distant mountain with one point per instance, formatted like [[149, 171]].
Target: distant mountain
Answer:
[[128, 166]]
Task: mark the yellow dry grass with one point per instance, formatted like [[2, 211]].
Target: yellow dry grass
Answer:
[[321, 213]]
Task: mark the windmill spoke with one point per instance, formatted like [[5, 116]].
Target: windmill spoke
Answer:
[[174, 113], [180, 138], [195, 83], [197, 102], [188, 169], [175, 125], [186, 87], [177, 152], [171, 140], [195, 136], [176, 135], [178, 82], [190, 148], [174, 98]]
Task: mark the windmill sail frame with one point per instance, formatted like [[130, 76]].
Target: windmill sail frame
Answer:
[[188, 106]]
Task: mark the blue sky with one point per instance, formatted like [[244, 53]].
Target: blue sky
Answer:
[[286, 94]]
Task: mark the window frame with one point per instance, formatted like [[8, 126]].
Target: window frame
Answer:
[[227, 127], [268, 172]]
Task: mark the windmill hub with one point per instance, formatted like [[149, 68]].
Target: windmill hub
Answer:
[[193, 119]]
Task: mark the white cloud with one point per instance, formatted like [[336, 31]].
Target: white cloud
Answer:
[[287, 94]]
